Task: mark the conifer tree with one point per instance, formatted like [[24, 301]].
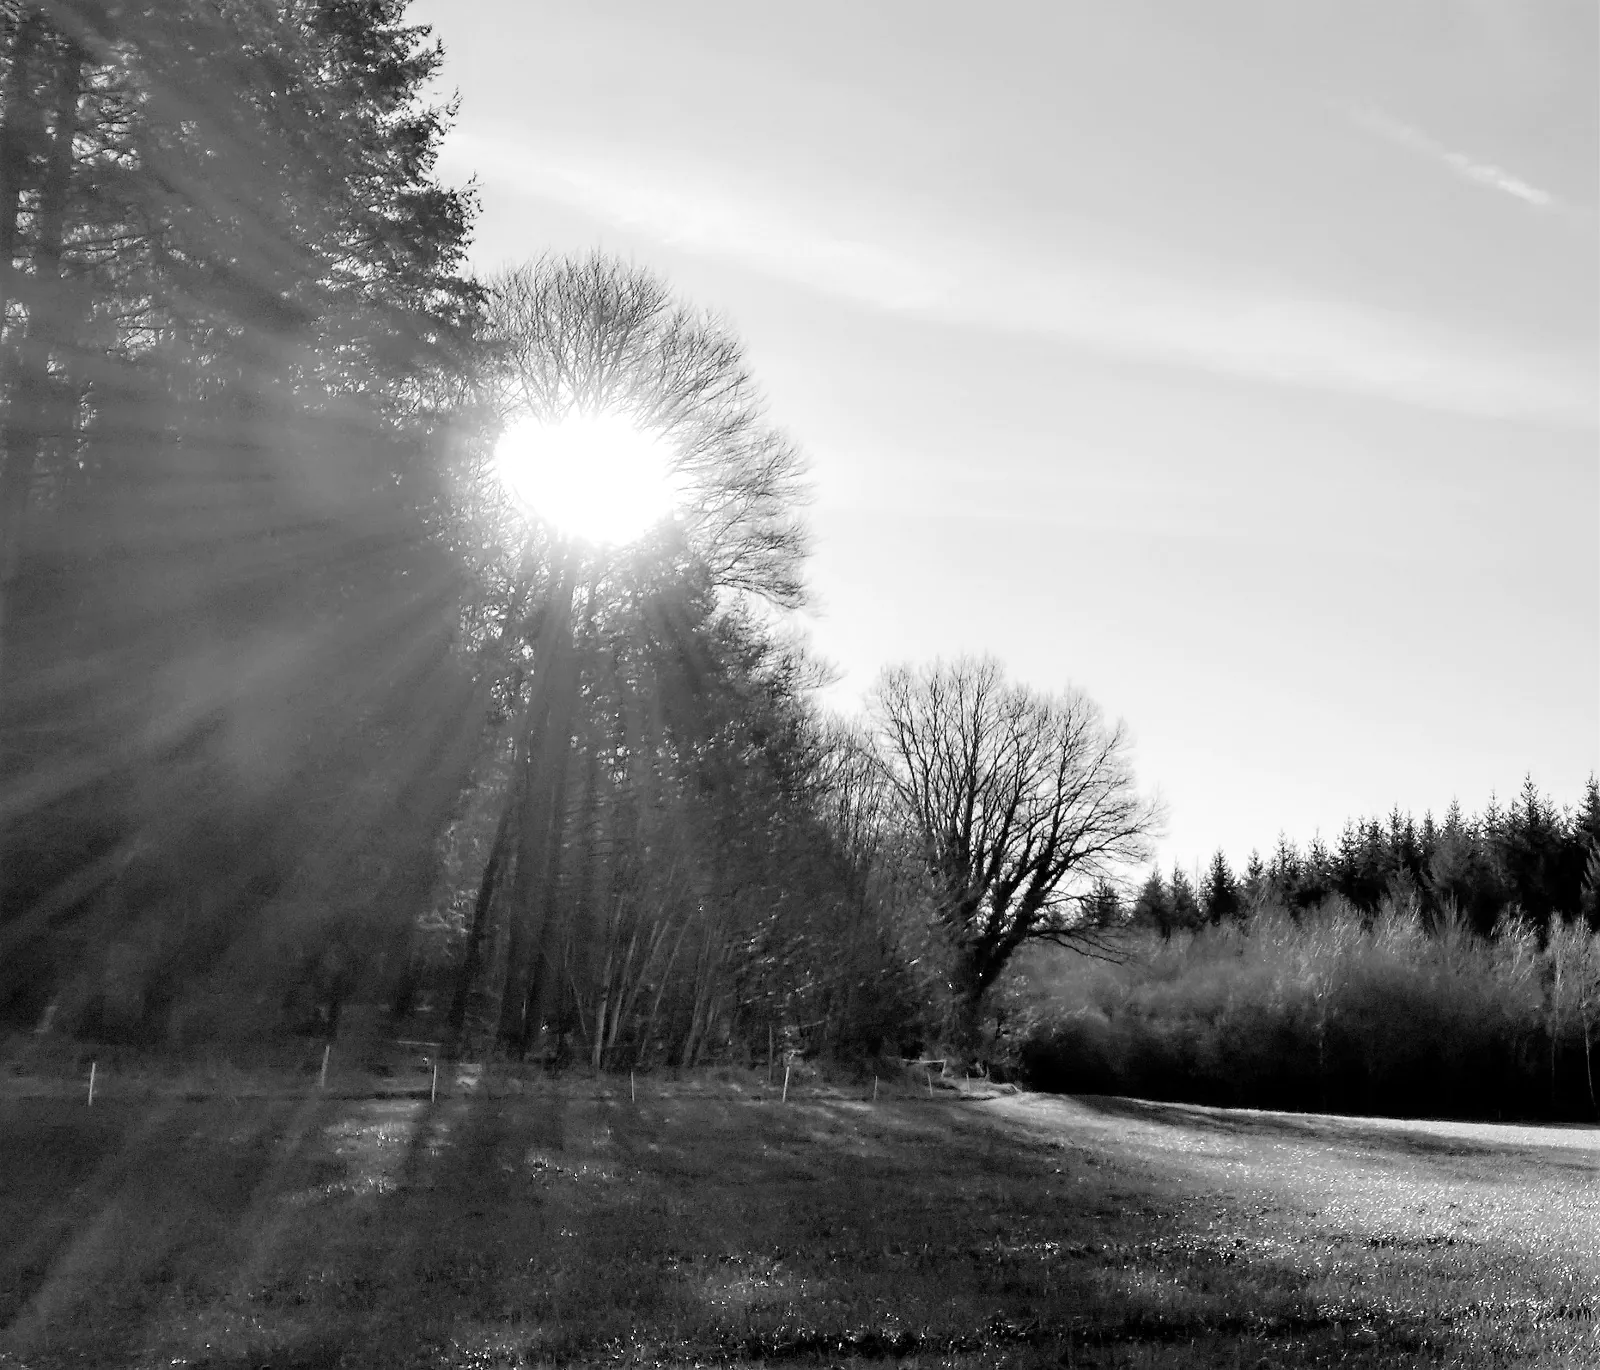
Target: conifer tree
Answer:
[[1186, 912], [1220, 896], [235, 312], [1153, 906], [1253, 888]]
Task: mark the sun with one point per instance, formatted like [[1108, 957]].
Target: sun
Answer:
[[596, 478]]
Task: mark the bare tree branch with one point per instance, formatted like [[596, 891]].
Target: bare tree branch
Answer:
[[593, 334], [1019, 803]]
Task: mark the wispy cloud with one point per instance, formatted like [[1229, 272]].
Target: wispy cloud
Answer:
[[1273, 335], [1468, 168], [1082, 297], [693, 213]]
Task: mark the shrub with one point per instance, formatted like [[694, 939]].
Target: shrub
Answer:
[[1393, 1014]]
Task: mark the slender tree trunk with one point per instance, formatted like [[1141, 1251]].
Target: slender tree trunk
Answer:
[[31, 405], [1588, 1064], [478, 932], [489, 883], [707, 991], [441, 777], [582, 939], [30, 410], [14, 157], [543, 981], [543, 756], [647, 1028], [1556, 1007]]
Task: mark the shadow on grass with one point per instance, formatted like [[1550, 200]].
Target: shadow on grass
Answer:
[[565, 1224]]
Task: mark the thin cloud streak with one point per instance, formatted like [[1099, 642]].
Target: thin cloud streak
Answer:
[[1283, 339], [1106, 306], [708, 222], [1479, 173]]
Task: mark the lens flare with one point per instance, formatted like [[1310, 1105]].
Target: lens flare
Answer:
[[597, 478]]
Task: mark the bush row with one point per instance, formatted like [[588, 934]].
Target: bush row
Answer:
[[1329, 1010]]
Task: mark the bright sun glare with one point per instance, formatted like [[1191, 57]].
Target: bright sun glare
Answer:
[[596, 478]]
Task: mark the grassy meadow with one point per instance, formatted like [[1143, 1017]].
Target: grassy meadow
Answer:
[[515, 1221]]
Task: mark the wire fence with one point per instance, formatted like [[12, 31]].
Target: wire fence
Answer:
[[408, 1068]]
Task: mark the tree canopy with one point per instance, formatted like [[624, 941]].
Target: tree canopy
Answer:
[[1018, 804], [233, 294]]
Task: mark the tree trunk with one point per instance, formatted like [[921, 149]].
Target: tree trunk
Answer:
[[582, 940], [1588, 1064], [14, 157], [971, 978], [478, 932], [490, 881], [1555, 1016], [969, 1018], [549, 729], [533, 820], [647, 1028], [543, 980], [33, 402]]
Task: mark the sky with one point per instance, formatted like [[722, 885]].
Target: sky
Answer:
[[1238, 364]]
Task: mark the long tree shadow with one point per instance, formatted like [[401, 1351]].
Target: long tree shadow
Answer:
[[119, 1208], [565, 1223], [219, 1230], [729, 1230], [379, 1248]]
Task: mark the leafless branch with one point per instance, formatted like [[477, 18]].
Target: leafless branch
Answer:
[[593, 334], [1019, 802]]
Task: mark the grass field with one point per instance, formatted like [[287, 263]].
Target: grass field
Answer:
[[708, 1223]]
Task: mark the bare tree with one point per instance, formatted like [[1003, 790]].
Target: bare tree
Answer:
[[1571, 992], [595, 335], [1017, 803]]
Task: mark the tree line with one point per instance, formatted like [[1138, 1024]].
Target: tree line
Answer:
[[1529, 858], [1415, 968], [296, 711], [299, 711]]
